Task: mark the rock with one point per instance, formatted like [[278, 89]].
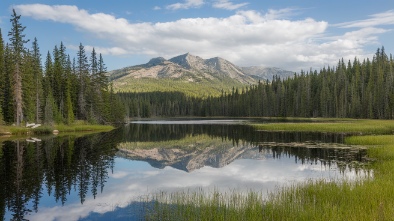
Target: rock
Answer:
[[35, 126], [30, 125], [55, 131]]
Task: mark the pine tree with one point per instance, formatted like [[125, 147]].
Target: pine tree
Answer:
[[83, 77], [49, 109], [2, 76], [37, 72], [100, 86], [93, 94], [17, 45], [28, 92], [102, 78], [69, 111], [8, 101], [57, 80], [47, 87]]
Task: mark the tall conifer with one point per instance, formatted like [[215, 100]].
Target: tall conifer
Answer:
[[83, 77], [37, 73], [2, 76], [17, 45], [8, 101]]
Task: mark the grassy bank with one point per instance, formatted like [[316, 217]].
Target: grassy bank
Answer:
[[82, 128], [368, 199], [77, 127]]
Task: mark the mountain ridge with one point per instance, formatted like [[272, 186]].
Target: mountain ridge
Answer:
[[187, 69], [216, 64]]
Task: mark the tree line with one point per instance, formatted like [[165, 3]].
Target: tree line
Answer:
[[353, 89], [64, 90]]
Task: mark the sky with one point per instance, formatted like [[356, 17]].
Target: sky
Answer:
[[292, 35]]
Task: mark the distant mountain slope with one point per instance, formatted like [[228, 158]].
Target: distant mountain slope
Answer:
[[266, 73], [188, 73]]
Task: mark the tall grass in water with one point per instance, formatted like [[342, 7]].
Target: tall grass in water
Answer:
[[200, 205], [313, 200], [348, 126], [364, 199]]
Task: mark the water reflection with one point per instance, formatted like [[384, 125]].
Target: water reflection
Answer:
[[87, 178], [54, 167], [192, 146]]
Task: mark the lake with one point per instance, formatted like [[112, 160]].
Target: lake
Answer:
[[104, 176]]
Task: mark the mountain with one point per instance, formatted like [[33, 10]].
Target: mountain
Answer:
[[266, 73], [191, 68], [190, 74]]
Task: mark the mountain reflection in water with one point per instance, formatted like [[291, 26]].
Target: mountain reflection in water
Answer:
[[189, 147], [93, 177]]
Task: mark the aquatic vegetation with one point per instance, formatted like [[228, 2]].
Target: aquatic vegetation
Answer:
[[348, 126]]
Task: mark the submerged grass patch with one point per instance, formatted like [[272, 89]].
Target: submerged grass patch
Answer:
[[347, 126], [363, 199]]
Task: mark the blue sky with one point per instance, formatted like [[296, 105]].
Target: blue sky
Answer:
[[292, 35]]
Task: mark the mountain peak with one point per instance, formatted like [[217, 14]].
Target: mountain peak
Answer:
[[155, 61], [187, 60]]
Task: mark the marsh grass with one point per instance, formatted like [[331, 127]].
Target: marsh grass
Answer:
[[369, 198], [201, 205], [347, 126]]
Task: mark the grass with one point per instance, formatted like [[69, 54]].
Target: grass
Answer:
[[340, 126], [363, 199], [78, 126]]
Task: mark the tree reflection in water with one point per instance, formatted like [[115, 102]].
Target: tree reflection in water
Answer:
[[60, 164]]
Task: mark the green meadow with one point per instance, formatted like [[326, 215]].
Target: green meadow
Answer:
[[364, 199]]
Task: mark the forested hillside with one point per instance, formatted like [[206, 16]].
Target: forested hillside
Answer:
[[355, 89], [64, 90]]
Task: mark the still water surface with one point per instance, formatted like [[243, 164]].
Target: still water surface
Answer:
[[103, 176]]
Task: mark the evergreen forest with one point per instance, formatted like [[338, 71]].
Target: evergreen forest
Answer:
[[66, 89], [352, 89], [62, 89]]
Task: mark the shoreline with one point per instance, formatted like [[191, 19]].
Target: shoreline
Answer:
[[11, 132]]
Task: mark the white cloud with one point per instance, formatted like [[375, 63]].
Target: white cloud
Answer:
[[186, 5], [244, 38], [384, 18], [279, 14], [226, 4], [157, 8], [100, 50]]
